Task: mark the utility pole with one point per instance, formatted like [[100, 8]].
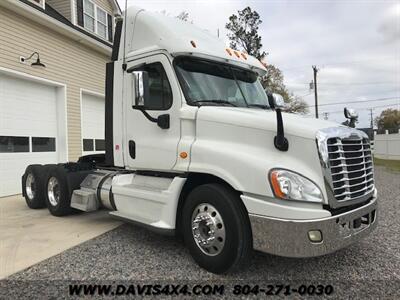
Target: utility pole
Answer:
[[315, 70], [372, 119]]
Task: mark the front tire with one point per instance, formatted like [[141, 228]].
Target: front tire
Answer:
[[216, 228]]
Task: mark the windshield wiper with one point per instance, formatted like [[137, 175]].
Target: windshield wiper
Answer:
[[263, 106], [216, 101]]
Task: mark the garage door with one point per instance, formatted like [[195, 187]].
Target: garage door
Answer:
[[28, 129], [92, 124]]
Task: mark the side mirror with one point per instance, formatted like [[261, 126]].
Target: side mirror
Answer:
[[276, 100], [141, 88], [141, 99], [163, 121], [350, 113]]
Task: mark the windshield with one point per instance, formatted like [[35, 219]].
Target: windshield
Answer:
[[207, 82]]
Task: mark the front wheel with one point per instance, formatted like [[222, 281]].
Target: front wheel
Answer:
[[216, 228]]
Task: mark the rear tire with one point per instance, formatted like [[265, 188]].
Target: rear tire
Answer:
[[216, 228], [33, 186], [57, 192]]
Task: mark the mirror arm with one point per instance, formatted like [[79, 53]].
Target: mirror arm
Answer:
[[163, 121], [280, 141], [146, 114]]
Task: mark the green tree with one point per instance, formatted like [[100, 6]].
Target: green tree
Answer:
[[243, 32], [389, 119], [184, 16], [273, 81], [297, 105], [243, 35]]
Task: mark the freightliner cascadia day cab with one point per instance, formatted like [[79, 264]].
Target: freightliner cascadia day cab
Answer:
[[196, 147]]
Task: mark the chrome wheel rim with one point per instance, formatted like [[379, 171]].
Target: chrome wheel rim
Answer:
[[53, 191], [208, 229], [30, 186]]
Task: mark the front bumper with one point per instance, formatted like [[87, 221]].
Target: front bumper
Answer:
[[290, 237]]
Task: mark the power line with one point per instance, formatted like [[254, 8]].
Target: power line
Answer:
[[348, 83], [338, 63], [305, 95], [369, 93], [358, 83], [369, 108], [357, 101]]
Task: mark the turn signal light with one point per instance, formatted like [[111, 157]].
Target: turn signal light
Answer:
[[276, 185], [229, 51]]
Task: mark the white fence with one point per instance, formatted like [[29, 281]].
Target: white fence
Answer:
[[387, 146]]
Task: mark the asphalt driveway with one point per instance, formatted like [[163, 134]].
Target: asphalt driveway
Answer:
[[370, 268]]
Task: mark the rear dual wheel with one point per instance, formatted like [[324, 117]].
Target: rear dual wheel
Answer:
[[57, 192], [216, 228], [33, 186]]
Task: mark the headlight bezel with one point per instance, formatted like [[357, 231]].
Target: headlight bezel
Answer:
[[308, 199]]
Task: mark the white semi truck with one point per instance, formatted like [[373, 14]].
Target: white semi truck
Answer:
[[196, 147]]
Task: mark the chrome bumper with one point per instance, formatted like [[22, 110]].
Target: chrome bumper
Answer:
[[290, 237]]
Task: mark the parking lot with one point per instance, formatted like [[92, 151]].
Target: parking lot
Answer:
[[128, 253]]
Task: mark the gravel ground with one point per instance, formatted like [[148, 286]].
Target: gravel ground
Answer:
[[132, 255]]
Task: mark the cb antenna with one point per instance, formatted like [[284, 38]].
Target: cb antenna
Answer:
[[125, 21]]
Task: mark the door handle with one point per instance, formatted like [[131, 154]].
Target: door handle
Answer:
[[132, 149]]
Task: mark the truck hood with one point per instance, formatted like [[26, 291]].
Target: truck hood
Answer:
[[262, 119]]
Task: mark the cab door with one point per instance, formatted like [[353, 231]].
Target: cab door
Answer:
[[147, 146]]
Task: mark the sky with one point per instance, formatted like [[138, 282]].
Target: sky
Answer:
[[355, 45]]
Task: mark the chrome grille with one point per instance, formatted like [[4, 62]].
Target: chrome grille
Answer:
[[351, 167], [346, 160]]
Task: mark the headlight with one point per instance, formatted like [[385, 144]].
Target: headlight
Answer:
[[292, 186]]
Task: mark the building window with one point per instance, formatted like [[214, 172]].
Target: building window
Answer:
[[88, 14], [95, 19], [94, 145], [43, 144], [100, 145], [88, 145], [10, 144], [101, 23]]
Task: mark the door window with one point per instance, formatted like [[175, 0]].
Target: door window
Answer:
[[160, 93], [43, 144], [88, 145], [10, 144], [94, 145], [14, 144]]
